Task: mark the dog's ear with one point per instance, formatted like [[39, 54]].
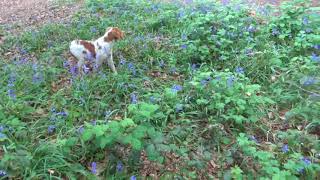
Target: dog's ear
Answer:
[[114, 34]]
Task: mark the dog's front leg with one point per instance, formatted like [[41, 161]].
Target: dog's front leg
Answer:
[[111, 63], [80, 66]]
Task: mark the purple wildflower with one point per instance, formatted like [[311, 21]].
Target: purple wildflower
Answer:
[[230, 81], [225, 2], [309, 81], [94, 122], [1, 128], [23, 51], [181, 14], [74, 70], [184, 37], [132, 68], [317, 46], [2, 136], [51, 129], [194, 67], [12, 79], [184, 46], [251, 29], [240, 70], [119, 166], [249, 52], [11, 94], [175, 88], [308, 30], [179, 108], [301, 170], [94, 168], [37, 78], [80, 130], [133, 178], [253, 138], [66, 64], [93, 29], [315, 58], [3, 173], [173, 70], [86, 69], [275, 32], [134, 98], [305, 20], [161, 63], [285, 148], [62, 113], [306, 161]]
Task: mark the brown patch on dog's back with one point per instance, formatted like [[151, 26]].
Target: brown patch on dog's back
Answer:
[[114, 34], [90, 47]]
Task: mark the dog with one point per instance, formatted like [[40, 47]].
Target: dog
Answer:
[[97, 51]]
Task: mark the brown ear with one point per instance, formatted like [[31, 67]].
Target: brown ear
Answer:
[[114, 34]]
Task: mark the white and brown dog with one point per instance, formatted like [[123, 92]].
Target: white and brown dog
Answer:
[[98, 51]]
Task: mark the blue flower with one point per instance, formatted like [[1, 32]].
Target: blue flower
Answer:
[[249, 52], [230, 81], [317, 46], [275, 31], [175, 88], [86, 69], [315, 58], [205, 81], [181, 14], [74, 70], [80, 130], [184, 46], [94, 122], [183, 36], [161, 63], [134, 98], [11, 94], [309, 81], [305, 20], [133, 178], [66, 64], [132, 68], [94, 168], [251, 29], [239, 70], [93, 29], [2, 136], [37, 78], [119, 166], [306, 161], [195, 66], [308, 30], [3, 173], [285, 148], [62, 113], [12, 79], [253, 138], [51, 129], [1, 128], [225, 2], [179, 108], [173, 70]]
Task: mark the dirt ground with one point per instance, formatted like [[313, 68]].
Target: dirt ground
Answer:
[[16, 15]]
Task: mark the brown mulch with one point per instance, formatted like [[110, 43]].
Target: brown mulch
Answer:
[[19, 15]]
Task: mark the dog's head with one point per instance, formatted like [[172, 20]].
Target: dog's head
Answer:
[[113, 34]]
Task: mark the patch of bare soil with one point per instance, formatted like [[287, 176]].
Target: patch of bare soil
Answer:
[[19, 15]]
